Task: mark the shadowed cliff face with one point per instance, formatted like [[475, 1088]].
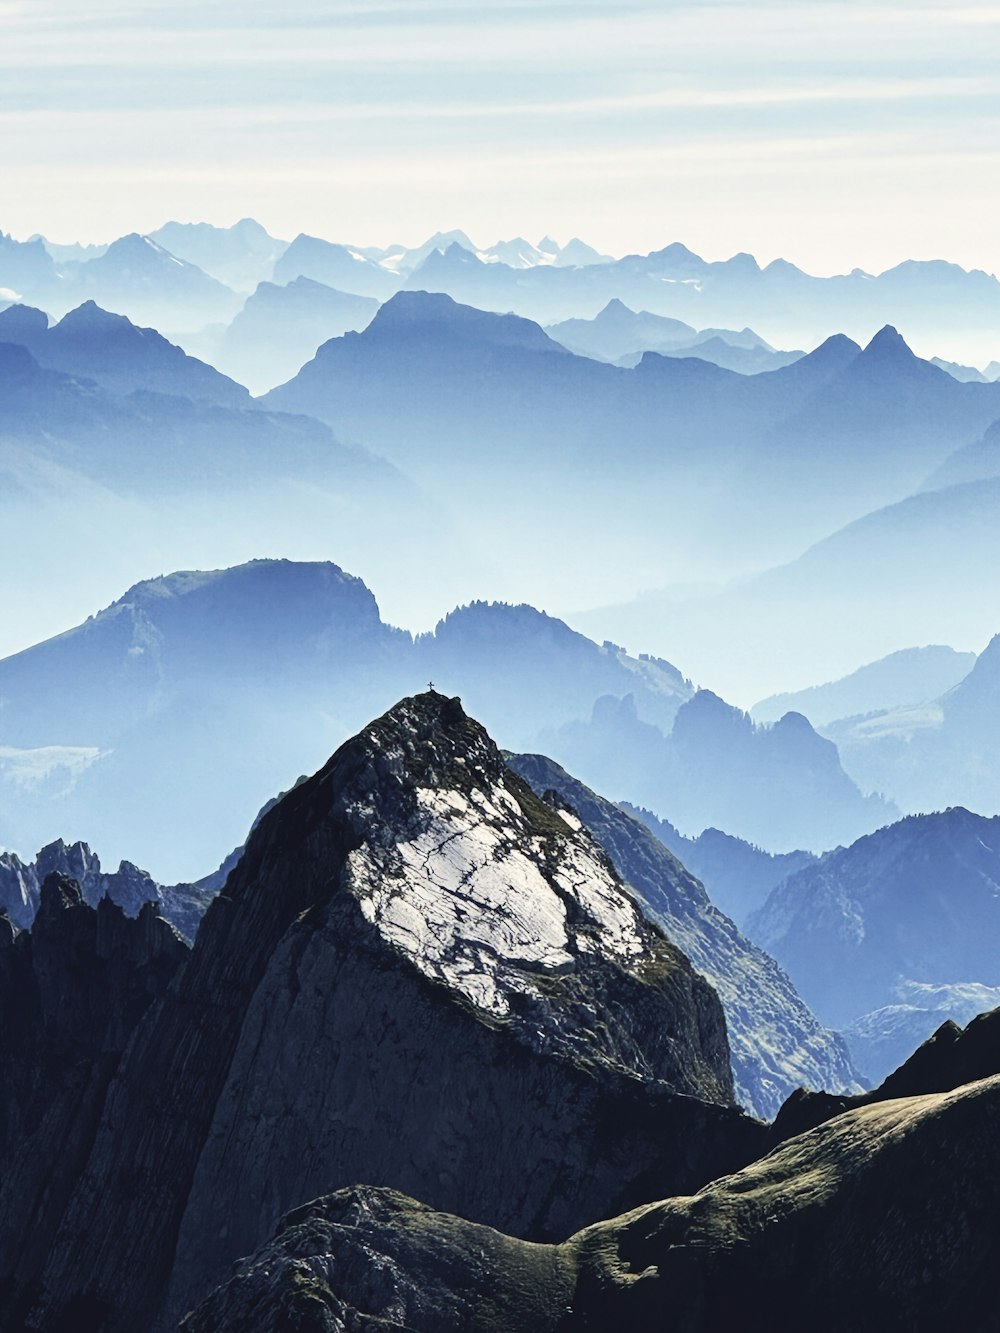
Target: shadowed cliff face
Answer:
[[72, 993], [884, 1218], [418, 975]]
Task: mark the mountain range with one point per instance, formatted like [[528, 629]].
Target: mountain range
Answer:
[[622, 336], [344, 948], [751, 467], [531, 1066], [164, 679], [781, 786], [91, 343], [866, 927], [937, 753], [909, 677]]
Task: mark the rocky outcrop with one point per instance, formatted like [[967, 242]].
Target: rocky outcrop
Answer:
[[72, 992], [183, 905], [884, 1218], [418, 975], [777, 1044]]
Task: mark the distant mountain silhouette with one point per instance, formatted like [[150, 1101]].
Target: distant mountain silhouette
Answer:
[[909, 676], [139, 278], [917, 903], [241, 256], [26, 266], [616, 330], [939, 754], [780, 787], [337, 266], [279, 329], [790, 305], [91, 343], [165, 679], [621, 336], [866, 591], [978, 461], [737, 874]]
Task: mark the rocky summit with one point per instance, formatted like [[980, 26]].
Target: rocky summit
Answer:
[[418, 976]]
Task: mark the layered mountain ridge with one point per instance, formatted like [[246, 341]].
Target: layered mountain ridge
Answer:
[[410, 918]]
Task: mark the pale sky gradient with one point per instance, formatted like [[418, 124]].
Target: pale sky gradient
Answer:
[[833, 134]]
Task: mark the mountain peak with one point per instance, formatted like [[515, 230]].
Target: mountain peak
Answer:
[[616, 309], [22, 324], [889, 343], [413, 309], [90, 317]]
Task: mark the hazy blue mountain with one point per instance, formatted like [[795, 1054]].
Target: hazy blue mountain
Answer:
[[864, 592], [737, 875], [74, 253], [879, 1042], [163, 683], [91, 343], [918, 901], [144, 480], [26, 267], [927, 299], [57, 426], [938, 754], [616, 331], [139, 278], [977, 461], [241, 256], [549, 674], [574, 254], [622, 336], [339, 266], [196, 697], [402, 259], [904, 678], [746, 465], [965, 374], [279, 329], [781, 787], [721, 352]]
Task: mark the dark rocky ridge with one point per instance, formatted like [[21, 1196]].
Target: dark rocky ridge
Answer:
[[884, 1218], [72, 992], [777, 1043], [183, 905], [320, 1035], [950, 1058]]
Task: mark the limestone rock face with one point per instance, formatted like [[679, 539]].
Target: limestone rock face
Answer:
[[419, 975], [883, 1218]]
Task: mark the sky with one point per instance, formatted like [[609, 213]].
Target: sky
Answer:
[[833, 134]]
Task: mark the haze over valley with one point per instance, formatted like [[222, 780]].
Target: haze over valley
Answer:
[[499, 667]]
